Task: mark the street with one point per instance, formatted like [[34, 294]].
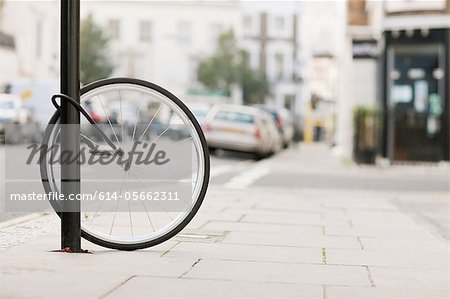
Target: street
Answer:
[[418, 191], [232, 170], [299, 224]]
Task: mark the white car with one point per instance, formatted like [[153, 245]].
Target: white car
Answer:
[[200, 111], [241, 128], [12, 112], [284, 122], [276, 138]]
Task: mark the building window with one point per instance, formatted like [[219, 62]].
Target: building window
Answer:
[[289, 102], [114, 28], [216, 31], [247, 21], [279, 65], [279, 23], [184, 32], [7, 41], [39, 34], [145, 31]]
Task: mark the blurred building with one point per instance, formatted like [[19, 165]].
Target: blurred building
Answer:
[[8, 63], [320, 122], [271, 36], [34, 28], [416, 94], [163, 42], [324, 47], [397, 64]]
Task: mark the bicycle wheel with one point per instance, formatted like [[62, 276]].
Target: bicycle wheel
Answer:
[[132, 110]]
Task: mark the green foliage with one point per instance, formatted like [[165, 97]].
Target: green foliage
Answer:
[[227, 66], [360, 113], [254, 85], [95, 61], [220, 70], [365, 127]]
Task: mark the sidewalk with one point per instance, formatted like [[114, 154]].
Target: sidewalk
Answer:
[[261, 242]]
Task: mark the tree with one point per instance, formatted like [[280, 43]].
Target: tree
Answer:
[[220, 70], [227, 66], [95, 62], [254, 86]]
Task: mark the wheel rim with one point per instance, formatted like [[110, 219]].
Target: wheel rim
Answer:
[[200, 174]]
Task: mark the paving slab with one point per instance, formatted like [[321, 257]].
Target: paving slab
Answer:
[[302, 219], [277, 272], [431, 245], [392, 259], [338, 292], [155, 287], [236, 252], [402, 277], [293, 240], [375, 231], [309, 230]]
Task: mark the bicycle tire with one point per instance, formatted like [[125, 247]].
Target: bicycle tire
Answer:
[[129, 247]]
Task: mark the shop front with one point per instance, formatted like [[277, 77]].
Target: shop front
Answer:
[[416, 95]]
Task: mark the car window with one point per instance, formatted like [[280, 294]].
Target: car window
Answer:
[[232, 116], [199, 113], [274, 116]]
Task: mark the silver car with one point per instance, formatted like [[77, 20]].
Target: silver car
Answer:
[[283, 120], [241, 128]]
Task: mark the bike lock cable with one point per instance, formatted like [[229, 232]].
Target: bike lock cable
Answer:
[[89, 118]]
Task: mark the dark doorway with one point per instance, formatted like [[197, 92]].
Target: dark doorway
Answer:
[[416, 100]]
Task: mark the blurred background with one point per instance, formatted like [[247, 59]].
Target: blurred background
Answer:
[[368, 78]]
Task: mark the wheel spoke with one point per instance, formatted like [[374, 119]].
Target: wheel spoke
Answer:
[[118, 201], [122, 139], [161, 134], [155, 200], [135, 125], [102, 201], [109, 120], [145, 208], [184, 140], [150, 122]]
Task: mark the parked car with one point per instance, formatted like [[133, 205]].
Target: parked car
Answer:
[[240, 128], [178, 130], [109, 115], [12, 110], [275, 137], [200, 111], [18, 120], [283, 120]]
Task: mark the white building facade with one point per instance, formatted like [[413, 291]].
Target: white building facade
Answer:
[[396, 63], [272, 35], [163, 42], [34, 26]]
